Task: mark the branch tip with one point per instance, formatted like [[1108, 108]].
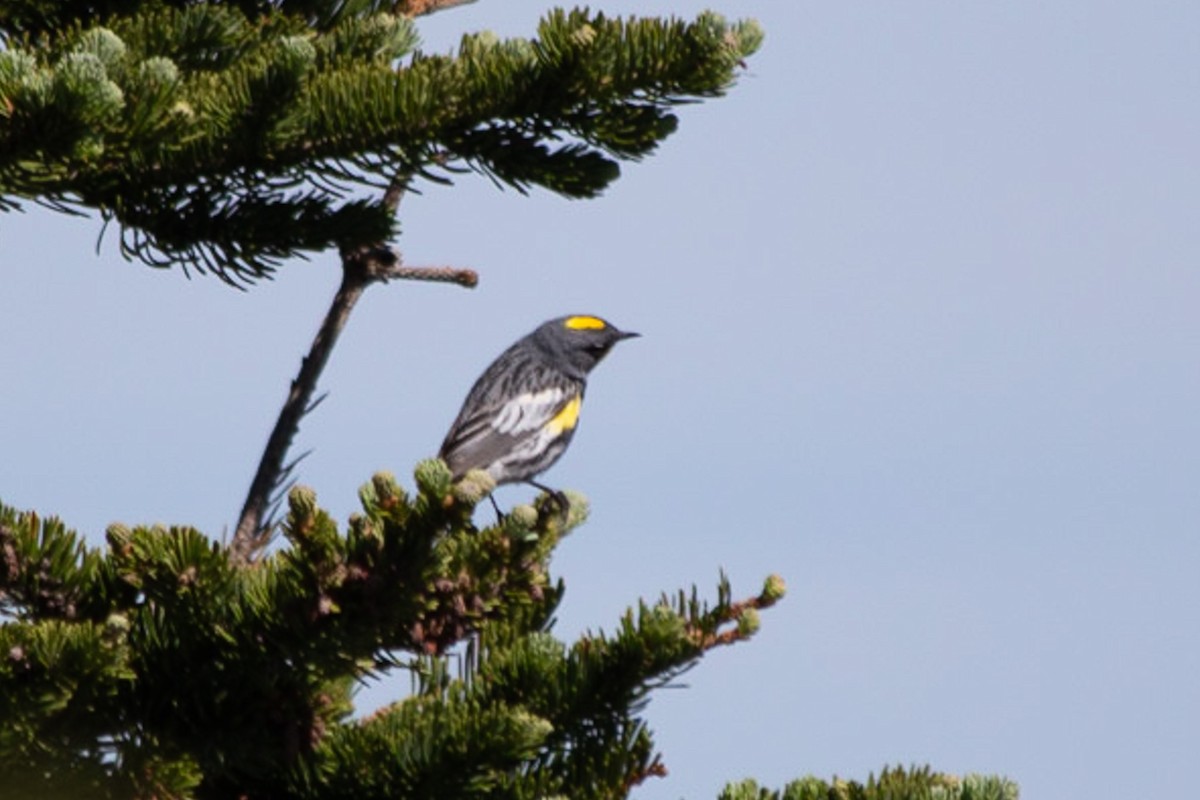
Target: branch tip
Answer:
[[460, 275], [419, 8]]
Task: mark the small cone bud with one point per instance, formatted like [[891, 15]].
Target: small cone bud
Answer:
[[773, 589], [473, 487], [433, 477], [748, 623]]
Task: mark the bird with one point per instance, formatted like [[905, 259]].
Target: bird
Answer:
[[522, 412]]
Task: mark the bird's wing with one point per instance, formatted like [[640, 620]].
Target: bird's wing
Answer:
[[493, 430]]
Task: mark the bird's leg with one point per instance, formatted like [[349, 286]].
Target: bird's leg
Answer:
[[496, 506]]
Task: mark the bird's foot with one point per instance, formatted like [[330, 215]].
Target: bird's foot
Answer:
[[558, 498]]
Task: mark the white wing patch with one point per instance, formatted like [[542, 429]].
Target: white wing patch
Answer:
[[528, 411]]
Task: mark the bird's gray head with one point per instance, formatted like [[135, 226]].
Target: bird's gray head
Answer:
[[578, 342]]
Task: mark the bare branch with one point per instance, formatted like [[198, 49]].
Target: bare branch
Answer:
[[463, 277], [360, 268], [395, 191], [249, 537], [417, 8]]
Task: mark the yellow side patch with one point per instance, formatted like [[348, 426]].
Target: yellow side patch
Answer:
[[585, 323], [567, 418]]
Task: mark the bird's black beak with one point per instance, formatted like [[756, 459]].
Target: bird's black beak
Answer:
[[627, 335]]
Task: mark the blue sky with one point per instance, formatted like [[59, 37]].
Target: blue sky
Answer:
[[918, 304]]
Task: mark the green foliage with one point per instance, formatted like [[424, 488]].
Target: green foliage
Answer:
[[227, 137], [159, 667], [897, 783]]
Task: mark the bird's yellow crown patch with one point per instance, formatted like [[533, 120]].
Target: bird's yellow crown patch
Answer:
[[584, 323]]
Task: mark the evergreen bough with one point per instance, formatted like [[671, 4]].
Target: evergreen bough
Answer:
[[157, 666], [895, 783], [229, 137]]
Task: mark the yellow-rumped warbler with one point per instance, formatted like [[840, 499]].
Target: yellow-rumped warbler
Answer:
[[521, 414]]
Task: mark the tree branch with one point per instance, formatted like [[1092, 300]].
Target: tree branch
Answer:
[[417, 8], [360, 268], [463, 277]]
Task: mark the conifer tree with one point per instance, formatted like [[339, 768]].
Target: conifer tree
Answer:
[[228, 139]]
